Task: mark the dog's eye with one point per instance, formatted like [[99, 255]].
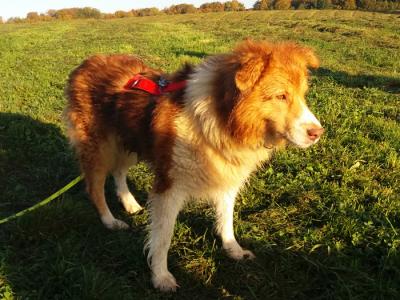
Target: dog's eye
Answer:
[[281, 97]]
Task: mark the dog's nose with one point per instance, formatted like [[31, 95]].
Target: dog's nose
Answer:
[[315, 133]]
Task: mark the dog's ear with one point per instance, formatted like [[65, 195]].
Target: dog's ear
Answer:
[[309, 57], [249, 72], [252, 58]]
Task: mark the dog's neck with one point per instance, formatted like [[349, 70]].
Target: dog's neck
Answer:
[[203, 117]]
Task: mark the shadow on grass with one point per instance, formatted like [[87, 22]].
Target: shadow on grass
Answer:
[[199, 54], [63, 252], [387, 84], [35, 161], [279, 272]]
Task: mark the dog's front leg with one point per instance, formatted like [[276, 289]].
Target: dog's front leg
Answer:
[[164, 209], [224, 206]]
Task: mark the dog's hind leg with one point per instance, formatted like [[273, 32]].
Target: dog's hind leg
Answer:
[[224, 206], [97, 159], [95, 181], [121, 170], [164, 209]]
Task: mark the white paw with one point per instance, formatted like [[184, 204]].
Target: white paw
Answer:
[[132, 207], [165, 282], [130, 204], [238, 253], [114, 224]]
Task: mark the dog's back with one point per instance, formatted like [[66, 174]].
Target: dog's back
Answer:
[[110, 127], [95, 92], [203, 141], [106, 125]]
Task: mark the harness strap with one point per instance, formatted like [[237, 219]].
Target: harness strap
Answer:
[[139, 82]]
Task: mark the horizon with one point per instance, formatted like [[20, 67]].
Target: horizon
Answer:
[[20, 8]]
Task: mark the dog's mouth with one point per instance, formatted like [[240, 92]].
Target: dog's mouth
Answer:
[[300, 143], [272, 137], [275, 139], [282, 139]]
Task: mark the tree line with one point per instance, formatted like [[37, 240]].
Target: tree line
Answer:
[[234, 5], [371, 5]]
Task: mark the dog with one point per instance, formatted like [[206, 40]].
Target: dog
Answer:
[[203, 138]]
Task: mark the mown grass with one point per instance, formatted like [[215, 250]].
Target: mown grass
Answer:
[[324, 223]]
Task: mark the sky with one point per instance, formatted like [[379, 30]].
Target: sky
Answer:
[[19, 8]]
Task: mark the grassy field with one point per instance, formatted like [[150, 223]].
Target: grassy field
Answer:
[[324, 223]]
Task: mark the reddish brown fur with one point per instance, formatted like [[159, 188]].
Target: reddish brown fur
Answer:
[[104, 117], [100, 108], [203, 141], [106, 120], [241, 85]]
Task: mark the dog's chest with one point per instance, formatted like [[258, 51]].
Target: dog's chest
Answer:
[[200, 168]]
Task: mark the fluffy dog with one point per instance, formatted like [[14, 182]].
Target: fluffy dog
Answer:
[[202, 141]]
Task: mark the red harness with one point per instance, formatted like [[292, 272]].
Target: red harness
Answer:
[[139, 82]]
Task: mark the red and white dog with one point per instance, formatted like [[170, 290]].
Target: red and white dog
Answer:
[[202, 141]]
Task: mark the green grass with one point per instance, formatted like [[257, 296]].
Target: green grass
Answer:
[[324, 223]]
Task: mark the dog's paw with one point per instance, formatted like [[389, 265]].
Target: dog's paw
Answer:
[[132, 207], [130, 204], [239, 254], [114, 224], [235, 251], [165, 282]]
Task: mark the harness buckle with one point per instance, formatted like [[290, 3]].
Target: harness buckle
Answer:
[[162, 82], [135, 83]]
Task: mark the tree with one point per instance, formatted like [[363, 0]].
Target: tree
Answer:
[[151, 11], [212, 7], [45, 17], [347, 4], [65, 13], [180, 9], [382, 5], [282, 4], [350, 4], [123, 14], [307, 4], [394, 5], [88, 13], [15, 20], [234, 6], [370, 4], [263, 5], [109, 15], [324, 4], [52, 13], [32, 16]]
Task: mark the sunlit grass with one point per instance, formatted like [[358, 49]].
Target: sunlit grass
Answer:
[[324, 223]]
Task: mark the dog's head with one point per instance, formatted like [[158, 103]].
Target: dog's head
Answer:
[[261, 89]]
